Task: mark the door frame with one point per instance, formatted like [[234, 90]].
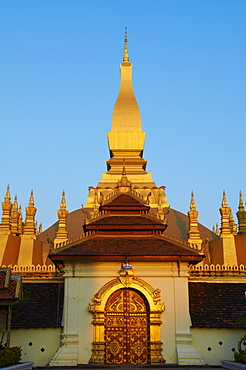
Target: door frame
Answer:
[[125, 315], [153, 297]]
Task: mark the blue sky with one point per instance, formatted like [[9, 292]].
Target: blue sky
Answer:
[[59, 81]]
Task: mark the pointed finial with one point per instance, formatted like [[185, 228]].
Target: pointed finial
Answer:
[[62, 213], [124, 167], [241, 204], [30, 227], [63, 201], [7, 196], [124, 180], [231, 218], [224, 212], [126, 56], [224, 201], [217, 231], [192, 202], [194, 236], [31, 200], [241, 215], [15, 205]]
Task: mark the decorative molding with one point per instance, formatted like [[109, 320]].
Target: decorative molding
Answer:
[[156, 307], [217, 270]]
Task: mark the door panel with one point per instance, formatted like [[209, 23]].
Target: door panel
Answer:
[[126, 328]]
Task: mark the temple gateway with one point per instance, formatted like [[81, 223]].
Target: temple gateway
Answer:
[[125, 279]]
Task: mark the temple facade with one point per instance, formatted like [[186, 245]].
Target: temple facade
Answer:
[[126, 279]]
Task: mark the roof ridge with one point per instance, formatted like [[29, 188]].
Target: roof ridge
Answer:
[[132, 193]]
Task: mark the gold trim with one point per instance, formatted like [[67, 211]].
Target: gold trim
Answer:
[[153, 296]]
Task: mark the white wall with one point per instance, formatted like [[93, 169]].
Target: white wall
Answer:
[[32, 341], [211, 338]]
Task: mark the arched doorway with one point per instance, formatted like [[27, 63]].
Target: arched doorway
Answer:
[[126, 328], [152, 300]]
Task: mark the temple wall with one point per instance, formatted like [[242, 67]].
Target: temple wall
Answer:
[[216, 344], [38, 345], [83, 281]]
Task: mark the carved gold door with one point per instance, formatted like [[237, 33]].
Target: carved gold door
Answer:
[[126, 328]]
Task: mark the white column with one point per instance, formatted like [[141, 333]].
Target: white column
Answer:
[[67, 354], [187, 354]]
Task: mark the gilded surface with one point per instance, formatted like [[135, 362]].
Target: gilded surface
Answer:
[[126, 328]]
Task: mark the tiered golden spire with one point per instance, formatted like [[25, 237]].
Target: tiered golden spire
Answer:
[[15, 215], [62, 213], [6, 215], [225, 228], [241, 215], [126, 56], [123, 184], [126, 138], [193, 233], [232, 224], [29, 227], [20, 223]]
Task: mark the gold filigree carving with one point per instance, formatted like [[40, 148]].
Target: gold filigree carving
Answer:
[[97, 308]]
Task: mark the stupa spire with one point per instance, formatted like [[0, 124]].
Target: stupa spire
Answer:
[[6, 215], [126, 143], [29, 227], [194, 233], [126, 56], [62, 213], [126, 114], [241, 215], [124, 185], [20, 225], [15, 215], [225, 228]]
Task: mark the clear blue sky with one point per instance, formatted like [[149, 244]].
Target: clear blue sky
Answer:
[[59, 79]]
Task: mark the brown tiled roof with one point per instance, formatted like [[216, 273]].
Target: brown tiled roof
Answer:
[[217, 305], [122, 246], [2, 279], [10, 287], [177, 226], [9, 293], [42, 308], [126, 220], [125, 200]]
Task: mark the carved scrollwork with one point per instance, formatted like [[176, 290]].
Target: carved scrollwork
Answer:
[[126, 279]]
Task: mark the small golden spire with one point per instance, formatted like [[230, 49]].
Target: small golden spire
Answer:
[[124, 179], [15, 205], [15, 214], [63, 201], [241, 203], [192, 202], [20, 224], [29, 227], [224, 201], [123, 184], [232, 224], [126, 56], [241, 215], [194, 236], [6, 215], [62, 234], [31, 200], [217, 232], [7, 196], [225, 228]]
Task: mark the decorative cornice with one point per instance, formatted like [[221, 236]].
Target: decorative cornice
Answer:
[[217, 271]]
